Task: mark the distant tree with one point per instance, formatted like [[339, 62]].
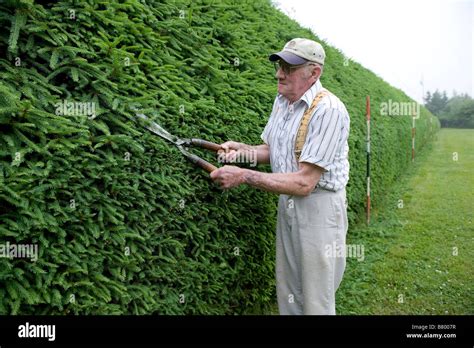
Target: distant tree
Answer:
[[427, 99], [437, 102], [458, 113], [445, 98]]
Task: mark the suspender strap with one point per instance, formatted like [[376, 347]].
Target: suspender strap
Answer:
[[303, 128]]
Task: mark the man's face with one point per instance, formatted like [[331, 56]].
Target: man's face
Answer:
[[294, 80]]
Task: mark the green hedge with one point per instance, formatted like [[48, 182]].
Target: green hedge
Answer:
[[123, 223]]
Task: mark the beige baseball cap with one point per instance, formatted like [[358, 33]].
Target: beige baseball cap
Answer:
[[299, 51]]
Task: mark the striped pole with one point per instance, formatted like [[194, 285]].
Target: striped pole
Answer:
[[413, 140], [367, 108]]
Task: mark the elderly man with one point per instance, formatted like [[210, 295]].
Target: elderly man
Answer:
[[312, 210]]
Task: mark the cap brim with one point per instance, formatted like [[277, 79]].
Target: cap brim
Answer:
[[288, 57]]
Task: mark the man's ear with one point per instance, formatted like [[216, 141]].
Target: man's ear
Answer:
[[316, 72]]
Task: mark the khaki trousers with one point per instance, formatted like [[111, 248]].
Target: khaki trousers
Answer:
[[308, 272]]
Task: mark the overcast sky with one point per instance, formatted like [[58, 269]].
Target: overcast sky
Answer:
[[402, 41]]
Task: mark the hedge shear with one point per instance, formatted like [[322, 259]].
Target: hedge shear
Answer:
[[182, 143]]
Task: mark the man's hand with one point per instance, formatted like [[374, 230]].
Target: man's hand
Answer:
[[228, 176], [234, 152], [230, 151]]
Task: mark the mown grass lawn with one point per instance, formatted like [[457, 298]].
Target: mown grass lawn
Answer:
[[419, 249]]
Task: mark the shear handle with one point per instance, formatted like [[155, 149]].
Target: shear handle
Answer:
[[205, 144], [200, 162]]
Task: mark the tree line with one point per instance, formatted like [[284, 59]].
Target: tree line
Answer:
[[454, 112]]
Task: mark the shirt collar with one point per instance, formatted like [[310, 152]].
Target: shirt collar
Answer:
[[309, 95]]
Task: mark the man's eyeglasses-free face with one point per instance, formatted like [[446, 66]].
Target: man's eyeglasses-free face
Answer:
[[288, 68]]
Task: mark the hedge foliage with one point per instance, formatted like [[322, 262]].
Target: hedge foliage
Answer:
[[123, 223]]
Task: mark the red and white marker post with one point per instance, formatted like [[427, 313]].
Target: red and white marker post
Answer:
[[367, 108], [413, 139]]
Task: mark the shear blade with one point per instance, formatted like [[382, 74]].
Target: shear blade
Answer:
[[158, 130]]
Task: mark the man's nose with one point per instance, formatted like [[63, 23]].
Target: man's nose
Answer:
[[279, 74]]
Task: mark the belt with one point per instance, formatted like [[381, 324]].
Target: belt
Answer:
[[319, 188]]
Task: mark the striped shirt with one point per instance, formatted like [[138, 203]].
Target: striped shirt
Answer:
[[326, 141]]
